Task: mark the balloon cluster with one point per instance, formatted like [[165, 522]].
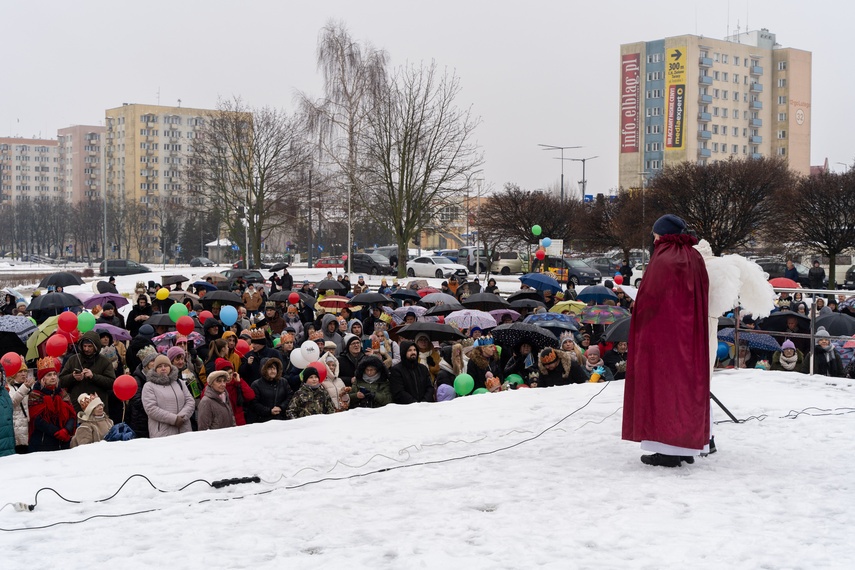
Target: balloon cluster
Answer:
[[307, 356], [544, 243]]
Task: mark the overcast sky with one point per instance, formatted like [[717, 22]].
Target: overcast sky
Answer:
[[536, 72]]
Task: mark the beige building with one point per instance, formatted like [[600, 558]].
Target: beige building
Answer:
[[695, 98], [29, 170], [81, 163]]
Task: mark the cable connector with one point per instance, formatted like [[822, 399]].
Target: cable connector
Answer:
[[235, 481], [23, 507]]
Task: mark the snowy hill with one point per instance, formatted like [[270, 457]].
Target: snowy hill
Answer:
[[778, 494]]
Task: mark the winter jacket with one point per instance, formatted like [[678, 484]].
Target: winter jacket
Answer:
[[616, 362], [269, 394], [7, 424], [516, 365], [567, 372], [347, 365], [252, 372], [479, 365], [20, 397], [252, 301], [286, 282], [332, 336], [799, 364], [164, 399], [376, 394], [215, 412], [334, 385], [826, 363], [133, 324], [606, 375], [91, 430], [137, 343], [310, 401], [408, 382], [135, 415], [240, 394], [816, 276], [103, 373], [431, 360], [50, 412]]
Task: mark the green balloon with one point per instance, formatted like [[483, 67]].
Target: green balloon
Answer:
[[277, 341], [176, 311], [536, 230], [498, 350], [463, 384], [85, 322], [481, 391], [514, 379]]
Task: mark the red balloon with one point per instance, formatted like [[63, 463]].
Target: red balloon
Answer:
[[242, 347], [320, 368], [75, 335], [540, 254], [11, 362], [618, 278], [56, 345], [293, 298], [124, 387], [185, 325], [67, 321], [204, 316]]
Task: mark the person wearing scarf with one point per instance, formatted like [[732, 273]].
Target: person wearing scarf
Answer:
[[827, 361], [349, 359], [371, 388], [593, 361], [788, 359], [523, 362], [568, 345], [52, 418], [450, 364], [483, 359], [428, 355]]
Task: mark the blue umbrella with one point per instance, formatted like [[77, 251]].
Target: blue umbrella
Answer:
[[596, 293], [205, 285], [553, 320], [758, 341], [541, 282]]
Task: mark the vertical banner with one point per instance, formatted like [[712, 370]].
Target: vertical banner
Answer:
[[675, 96], [630, 67]]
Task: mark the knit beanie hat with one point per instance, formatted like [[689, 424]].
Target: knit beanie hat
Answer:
[[147, 331], [223, 364], [593, 349], [174, 353], [147, 354], [88, 403], [445, 392], [788, 344], [669, 224], [822, 332], [161, 359], [308, 372]]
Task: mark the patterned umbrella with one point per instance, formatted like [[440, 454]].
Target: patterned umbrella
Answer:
[[849, 302], [468, 318], [434, 298], [499, 313], [574, 307], [401, 312], [21, 326], [541, 282], [602, 314], [485, 302], [758, 341], [553, 321], [334, 302], [102, 298], [597, 294], [391, 312], [18, 297], [167, 340], [510, 336]]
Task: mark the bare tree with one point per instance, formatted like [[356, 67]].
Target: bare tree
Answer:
[[245, 164], [619, 222], [725, 202], [418, 151]]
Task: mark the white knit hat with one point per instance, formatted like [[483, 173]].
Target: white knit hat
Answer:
[[88, 403]]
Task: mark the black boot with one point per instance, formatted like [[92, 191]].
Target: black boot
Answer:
[[712, 447], [662, 460]]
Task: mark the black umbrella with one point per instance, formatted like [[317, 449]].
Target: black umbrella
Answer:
[[436, 331], [61, 279], [443, 309], [106, 287], [526, 304], [222, 297], [53, 301], [485, 302], [11, 342], [173, 279], [837, 324], [778, 322], [160, 319], [279, 267], [526, 294], [511, 335], [724, 322], [282, 297], [328, 284], [405, 294], [21, 326], [617, 331], [370, 298]]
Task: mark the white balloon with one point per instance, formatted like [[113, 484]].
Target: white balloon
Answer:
[[310, 351], [298, 360]]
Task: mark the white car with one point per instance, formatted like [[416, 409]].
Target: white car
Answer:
[[435, 266], [637, 274]]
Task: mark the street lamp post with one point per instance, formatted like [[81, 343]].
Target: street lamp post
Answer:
[[562, 149], [643, 176], [584, 180]]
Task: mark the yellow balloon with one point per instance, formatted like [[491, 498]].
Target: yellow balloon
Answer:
[[162, 293]]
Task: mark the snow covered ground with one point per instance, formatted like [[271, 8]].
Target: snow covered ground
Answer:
[[471, 483]]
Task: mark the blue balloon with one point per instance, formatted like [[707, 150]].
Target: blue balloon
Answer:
[[228, 315], [723, 351], [546, 242]]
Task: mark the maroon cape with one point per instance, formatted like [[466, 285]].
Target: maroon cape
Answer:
[[667, 388]]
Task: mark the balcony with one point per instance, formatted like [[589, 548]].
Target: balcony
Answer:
[[704, 153], [705, 99], [756, 70], [704, 117], [755, 139], [704, 135], [150, 125], [755, 123], [756, 156], [756, 88], [755, 105], [705, 62], [705, 80]]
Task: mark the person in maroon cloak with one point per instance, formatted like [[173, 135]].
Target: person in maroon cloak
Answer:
[[667, 390]]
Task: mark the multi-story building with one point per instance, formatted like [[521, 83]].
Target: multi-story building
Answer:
[[81, 163], [695, 98], [29, 170]]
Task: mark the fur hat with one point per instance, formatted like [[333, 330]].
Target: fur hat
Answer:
[[788, 344], [174, 352], [45, 365], [223, 364], [162, 359], [88, 403], [445, 392]]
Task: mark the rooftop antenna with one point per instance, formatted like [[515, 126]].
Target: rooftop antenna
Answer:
[[728, 20], [179, 103], [158, 96]]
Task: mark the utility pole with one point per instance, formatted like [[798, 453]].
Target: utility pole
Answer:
[[310, 220], [562, 149]]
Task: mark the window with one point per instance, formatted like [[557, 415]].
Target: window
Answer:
[[782, 117], [715, 75], [651, 164], [724, 113], [715, 111], [745, 80], [715, 58], [744, 132], [654, 57], [656, 76], [734, 149], [654, 111], [782, 135], [724, 75], [782, 66], [715, 147], [654, 94], [724, 59], [654, 129], [653, 147], [724, 93], [735, 131], [745, 97], [715, 129], [782, 151], [715, 93], [736, 60], [736, 95], [782, 82], [782, 99], [744, 149]]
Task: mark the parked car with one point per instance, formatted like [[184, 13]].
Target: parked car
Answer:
[[122, 267], [777, 268], [468, 254], [201, 262], [449, 253], [372, 263], [605, 265], [239, 264], [576, 271], [435, 266], [251, 276], [509, 262], [637, 274], [849, 278]]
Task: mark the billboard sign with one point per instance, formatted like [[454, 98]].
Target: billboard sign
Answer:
[[630, 68], [675, 97]]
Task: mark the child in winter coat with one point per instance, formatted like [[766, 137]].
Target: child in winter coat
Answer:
[[94, 423], [19, 386], [310, 399], [166, 399], [215, 410], [52, 418], [240, 393], [339, 393]]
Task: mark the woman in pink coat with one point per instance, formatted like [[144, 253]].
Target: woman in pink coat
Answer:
[[166, 399]]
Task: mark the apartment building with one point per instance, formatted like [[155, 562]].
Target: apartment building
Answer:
[[81, 163], [29, 170]]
